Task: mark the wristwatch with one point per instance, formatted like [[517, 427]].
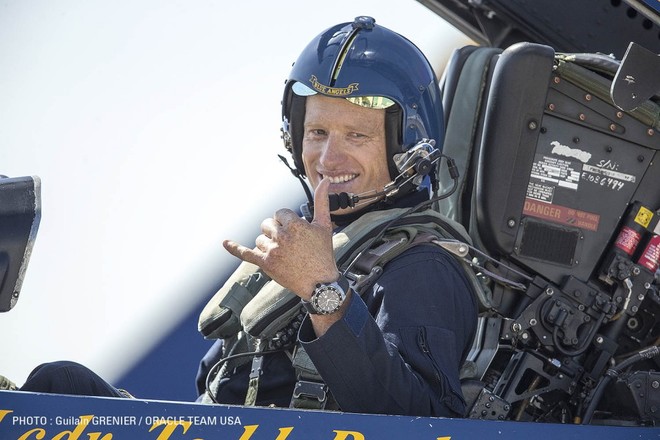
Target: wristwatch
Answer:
[[327, 297]]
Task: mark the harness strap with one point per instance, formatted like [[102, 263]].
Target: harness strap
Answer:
[[255, 374], [372, 261], [310, 391], [371, 257]]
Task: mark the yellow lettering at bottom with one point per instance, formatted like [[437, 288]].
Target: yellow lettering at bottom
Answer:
[[343, 435], [38, 434], [4, 412], [284, 433], [248, 430], [444, 438], [169, 428]]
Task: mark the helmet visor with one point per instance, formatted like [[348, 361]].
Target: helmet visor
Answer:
[[374, 102]]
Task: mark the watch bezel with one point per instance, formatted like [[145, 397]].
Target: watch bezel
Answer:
[[339, 288]]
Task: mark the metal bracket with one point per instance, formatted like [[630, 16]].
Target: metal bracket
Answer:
[[637, 79]]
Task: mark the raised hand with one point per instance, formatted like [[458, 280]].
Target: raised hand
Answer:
[[295, 253]]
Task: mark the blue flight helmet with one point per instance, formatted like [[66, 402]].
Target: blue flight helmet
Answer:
[[370, 66]]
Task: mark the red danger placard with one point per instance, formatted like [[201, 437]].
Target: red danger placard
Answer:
[[561, 214]]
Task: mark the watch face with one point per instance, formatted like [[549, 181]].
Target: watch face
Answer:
[[327, 299]]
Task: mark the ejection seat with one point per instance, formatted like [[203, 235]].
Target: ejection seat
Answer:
[[549, 166], [550, 171]]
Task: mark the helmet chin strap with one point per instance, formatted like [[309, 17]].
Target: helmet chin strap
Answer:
[[300, 178]]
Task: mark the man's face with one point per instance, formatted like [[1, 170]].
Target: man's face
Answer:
[[346, 143]]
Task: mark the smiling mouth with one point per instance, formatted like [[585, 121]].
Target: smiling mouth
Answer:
[[340, 179]]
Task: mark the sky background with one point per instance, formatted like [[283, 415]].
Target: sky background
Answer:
[[154, 128]]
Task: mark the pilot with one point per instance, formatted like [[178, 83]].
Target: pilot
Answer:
[[358, 98]]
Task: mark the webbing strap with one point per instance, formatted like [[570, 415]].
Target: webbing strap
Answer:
[[255, 374], [253, 385], [371, 257], [310, 391]]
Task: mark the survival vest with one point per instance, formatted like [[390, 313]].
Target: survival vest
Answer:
[[253, 312]]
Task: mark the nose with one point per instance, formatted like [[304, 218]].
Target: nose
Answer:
[[333, 152]]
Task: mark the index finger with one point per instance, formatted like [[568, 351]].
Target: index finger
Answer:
[[242, 252]]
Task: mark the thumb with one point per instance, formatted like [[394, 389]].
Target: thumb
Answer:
[[322, 204]]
